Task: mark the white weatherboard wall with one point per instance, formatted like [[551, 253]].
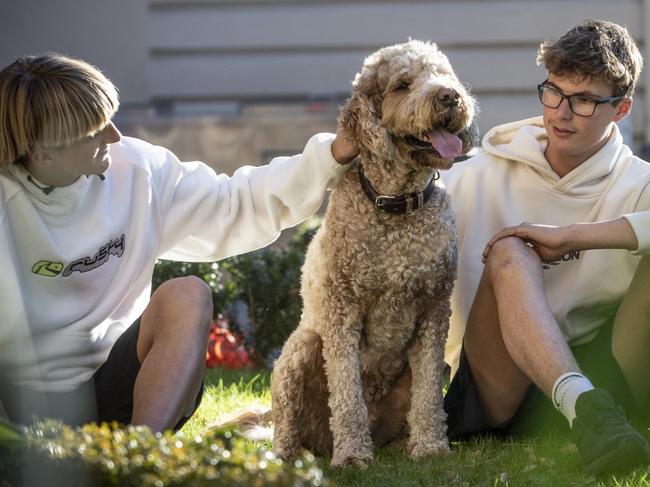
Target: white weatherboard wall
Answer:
[[239, 80]]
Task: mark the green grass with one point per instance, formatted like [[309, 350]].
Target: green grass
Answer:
[[228, 391], [550, 461]]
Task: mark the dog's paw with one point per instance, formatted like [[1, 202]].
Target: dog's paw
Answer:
[[359, 457], [423, 449], [285, 452]]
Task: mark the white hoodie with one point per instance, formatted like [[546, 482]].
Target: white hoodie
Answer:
[[77, 263], [511, 182]]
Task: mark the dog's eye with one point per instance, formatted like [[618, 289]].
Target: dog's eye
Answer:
[[401, 86]]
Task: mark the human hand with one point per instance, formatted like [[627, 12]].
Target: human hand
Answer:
[[344, 149], [550, 242]]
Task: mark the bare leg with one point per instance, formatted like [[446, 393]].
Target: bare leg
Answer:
[[171, 348], [631, 334], [512, 337]]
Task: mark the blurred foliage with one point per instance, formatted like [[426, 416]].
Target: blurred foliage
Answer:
[[54, 454], [223, 290], [267, 280]]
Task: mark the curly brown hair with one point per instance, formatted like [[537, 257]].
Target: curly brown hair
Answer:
[[596, 49]]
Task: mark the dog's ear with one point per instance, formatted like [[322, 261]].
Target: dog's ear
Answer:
[[360, 118], [360, 104], [349, 119]]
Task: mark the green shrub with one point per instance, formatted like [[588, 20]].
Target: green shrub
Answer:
[[106, 455], [268, 281]]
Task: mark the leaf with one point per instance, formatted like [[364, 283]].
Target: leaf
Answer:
[[10, 435]]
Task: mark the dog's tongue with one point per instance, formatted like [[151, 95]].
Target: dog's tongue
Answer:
[[446, 143]]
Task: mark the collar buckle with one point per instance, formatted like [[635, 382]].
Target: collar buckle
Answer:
[[382, 200]]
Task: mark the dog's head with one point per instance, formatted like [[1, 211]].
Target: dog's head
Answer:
[[409, 107]]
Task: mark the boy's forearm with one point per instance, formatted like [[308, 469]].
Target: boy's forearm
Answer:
[[612, 234]]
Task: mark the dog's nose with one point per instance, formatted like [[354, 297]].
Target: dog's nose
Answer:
[[448, 97]]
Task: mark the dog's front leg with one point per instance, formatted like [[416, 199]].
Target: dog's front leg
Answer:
[[427, 418], [287, 388], [349, 421]]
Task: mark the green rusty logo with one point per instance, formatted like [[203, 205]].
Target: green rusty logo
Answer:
[[47, 268]]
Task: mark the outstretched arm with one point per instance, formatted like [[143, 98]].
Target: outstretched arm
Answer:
[[552, 242], [207, 216]]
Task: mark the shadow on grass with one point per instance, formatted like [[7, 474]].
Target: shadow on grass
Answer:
[[547, 460], [488, 461]]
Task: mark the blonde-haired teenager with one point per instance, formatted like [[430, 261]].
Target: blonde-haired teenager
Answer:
[[526, 336], [84, 214]]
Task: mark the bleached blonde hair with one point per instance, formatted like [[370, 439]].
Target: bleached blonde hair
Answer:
[[51, 100]]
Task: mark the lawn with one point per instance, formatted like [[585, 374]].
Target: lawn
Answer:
[[550, 461]]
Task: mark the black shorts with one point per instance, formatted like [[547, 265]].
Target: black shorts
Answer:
[[536, 415], [107, 397]]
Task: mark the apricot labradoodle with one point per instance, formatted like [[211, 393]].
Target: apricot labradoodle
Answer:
[[378, 275]]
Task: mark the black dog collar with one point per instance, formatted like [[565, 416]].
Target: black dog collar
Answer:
[[398, 205]]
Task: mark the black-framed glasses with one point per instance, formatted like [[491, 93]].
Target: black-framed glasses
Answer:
[[581, 105]]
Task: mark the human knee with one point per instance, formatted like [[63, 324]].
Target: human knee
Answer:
[[187, 291], [510, 254]]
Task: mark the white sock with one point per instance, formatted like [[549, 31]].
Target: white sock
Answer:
[[565, 392]]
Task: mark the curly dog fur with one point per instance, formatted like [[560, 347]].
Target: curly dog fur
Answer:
[[376, 286]]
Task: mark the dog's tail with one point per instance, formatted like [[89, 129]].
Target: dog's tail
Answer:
[[255, 423]]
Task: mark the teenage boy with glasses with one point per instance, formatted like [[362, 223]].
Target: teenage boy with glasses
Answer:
[[526, 334]]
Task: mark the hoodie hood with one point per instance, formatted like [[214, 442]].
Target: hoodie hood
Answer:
[[525, 142], [60, 202]]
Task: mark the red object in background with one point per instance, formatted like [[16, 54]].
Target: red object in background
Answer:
[[225, 349]]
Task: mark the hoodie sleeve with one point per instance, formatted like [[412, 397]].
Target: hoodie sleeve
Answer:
[[12, 310], [640, 223], [15, 333], [205, 216]]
